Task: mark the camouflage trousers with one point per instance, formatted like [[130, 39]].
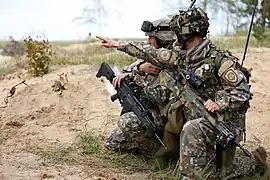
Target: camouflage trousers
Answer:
[[199, 155], [131, 136]]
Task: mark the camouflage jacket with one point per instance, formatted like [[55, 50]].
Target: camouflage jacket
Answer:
[[142, 79], [161, 57], [227, 86], [154, 93], [145, 80]]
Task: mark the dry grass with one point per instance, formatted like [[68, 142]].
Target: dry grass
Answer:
[[93, 55], [87, 151]]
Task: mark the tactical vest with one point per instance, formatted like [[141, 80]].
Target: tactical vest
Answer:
[[207, 70]]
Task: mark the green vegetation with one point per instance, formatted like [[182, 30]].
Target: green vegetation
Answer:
[[39, 55], [87, 150], [94, 55]]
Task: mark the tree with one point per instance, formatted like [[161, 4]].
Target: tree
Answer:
[[244, 9], [211, 7], [266, 12]]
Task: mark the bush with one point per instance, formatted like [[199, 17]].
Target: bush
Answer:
[[13, 48], [39, 54]]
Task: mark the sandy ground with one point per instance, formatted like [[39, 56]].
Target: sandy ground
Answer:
[[36, 115]]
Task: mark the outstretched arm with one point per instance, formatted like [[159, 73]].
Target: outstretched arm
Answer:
[[160, 57]]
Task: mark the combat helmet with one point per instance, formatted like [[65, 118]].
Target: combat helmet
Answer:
[[189, 23], [159, 28]]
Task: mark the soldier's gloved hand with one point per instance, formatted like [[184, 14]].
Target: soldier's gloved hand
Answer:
[[149, 68], [117, 80], [108, 43], [211, 106]]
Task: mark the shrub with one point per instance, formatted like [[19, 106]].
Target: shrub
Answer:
[[39, 54]]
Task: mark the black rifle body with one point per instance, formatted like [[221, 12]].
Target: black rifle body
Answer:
[[129, 100]]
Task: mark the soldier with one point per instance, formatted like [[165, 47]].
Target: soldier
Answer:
[[130, 134], [225, 91]]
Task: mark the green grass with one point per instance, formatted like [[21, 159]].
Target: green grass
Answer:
[[112, 58], [95, 55], [87, 150], [239, 42], [72, 42], [88, 144], [54, 153]]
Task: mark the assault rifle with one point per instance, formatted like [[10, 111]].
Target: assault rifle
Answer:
[[225, 136], [193, 102], [128, 99]]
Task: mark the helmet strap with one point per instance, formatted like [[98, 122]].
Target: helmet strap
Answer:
[[158, 41]]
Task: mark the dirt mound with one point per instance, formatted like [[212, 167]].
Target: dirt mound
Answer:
[[36, 116]]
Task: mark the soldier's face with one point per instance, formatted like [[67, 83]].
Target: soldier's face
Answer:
[[152, 42]]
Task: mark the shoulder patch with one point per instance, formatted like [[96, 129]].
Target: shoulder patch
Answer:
[[231, 76], [164, 55], [225, 66], [230, 73]]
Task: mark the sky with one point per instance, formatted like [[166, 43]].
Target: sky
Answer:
[[54, 18]]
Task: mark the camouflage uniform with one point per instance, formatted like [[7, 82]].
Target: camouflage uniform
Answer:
[[131, 133], [229, 89], [226, 85]]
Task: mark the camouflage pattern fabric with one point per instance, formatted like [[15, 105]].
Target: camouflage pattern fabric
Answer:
[[198, 155], [190, 22], [131, 135], [197, 150], [230, 90], [161, 57], [162, 35], [133, 66], [120, 138], [140, 78]]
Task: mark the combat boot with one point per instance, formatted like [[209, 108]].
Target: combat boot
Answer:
[[160, 163], [260, 156]]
